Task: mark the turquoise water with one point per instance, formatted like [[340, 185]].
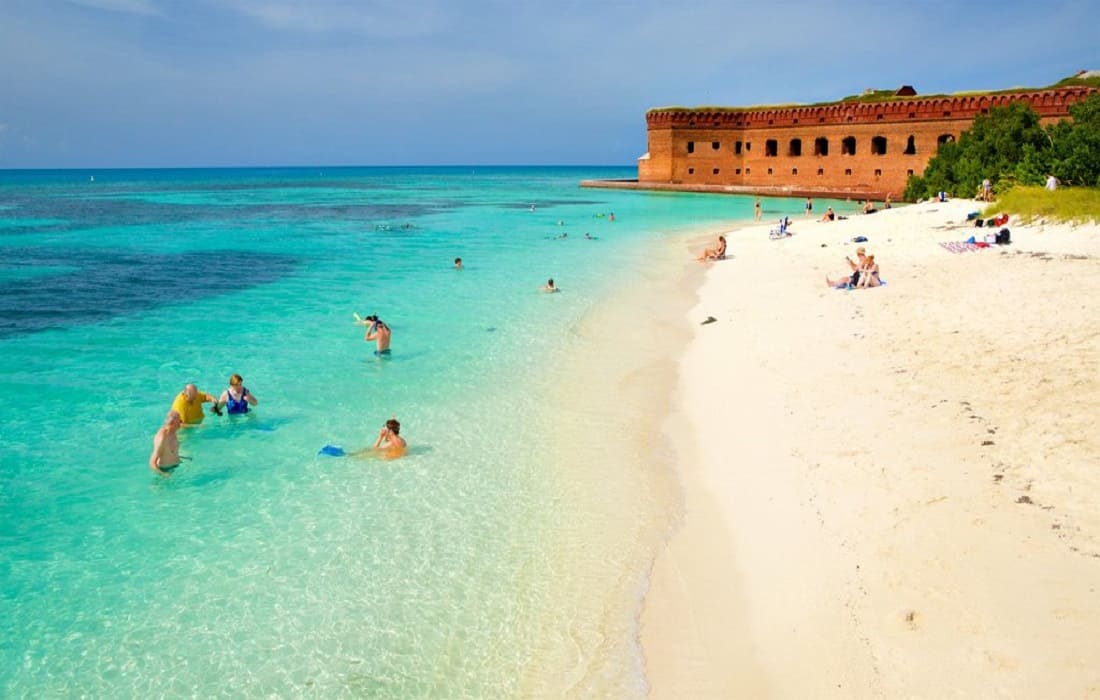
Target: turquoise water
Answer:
[[502, 557]]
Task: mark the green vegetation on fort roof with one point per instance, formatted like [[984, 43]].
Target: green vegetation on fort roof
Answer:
[[877, 96], [1076, 205]]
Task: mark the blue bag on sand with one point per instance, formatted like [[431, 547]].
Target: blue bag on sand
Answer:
[[971, 240], [332, 451]]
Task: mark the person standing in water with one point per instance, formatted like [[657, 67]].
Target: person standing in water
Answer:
[[188, 404], [166, 445], [237, 398], [379, 333], [549, 287]]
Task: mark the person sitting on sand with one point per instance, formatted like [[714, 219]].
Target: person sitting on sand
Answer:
[[549, 287], [829, 215], [716, 253], [868, 276], [857, 266]]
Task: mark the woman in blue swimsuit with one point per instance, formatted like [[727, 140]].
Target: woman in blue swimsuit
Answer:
[[237, 398]]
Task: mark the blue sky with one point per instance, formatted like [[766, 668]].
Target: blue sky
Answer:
[[146, 83]]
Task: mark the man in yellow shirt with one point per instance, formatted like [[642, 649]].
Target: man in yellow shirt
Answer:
[[189, 404]]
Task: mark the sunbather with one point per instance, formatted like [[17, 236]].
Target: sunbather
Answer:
[[868, 276], [857, 266], [717, 253]]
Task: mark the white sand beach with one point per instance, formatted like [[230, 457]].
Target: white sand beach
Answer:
[[889, 492]]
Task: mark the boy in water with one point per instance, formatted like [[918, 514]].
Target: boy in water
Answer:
[[390, 441]]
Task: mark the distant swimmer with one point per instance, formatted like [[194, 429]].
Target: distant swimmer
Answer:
[[188, 404], [166, 445], [237, 398], [458, 263], [549, 287], [611, 216], [379, 333]]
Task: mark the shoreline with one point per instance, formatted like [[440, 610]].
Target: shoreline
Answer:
[[886, 492]]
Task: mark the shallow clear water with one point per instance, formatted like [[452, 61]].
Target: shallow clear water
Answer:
[[505, 555]]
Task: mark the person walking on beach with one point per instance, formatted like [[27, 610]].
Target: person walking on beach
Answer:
[[379, 333], [809, 206], [188, 404], [166, 445], [237, 397]]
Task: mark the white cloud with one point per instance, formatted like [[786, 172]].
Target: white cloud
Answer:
[[379, 18], [134, 7]]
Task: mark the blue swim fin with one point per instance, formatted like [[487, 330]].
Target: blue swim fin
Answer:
[[332, 451]]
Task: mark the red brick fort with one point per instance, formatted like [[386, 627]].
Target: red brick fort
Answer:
[[849, 148]]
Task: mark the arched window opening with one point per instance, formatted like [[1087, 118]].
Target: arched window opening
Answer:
[[796, 147], [878, 146], [911, 146], [821, 146], [691, 147], [848, 146], [771, 148]]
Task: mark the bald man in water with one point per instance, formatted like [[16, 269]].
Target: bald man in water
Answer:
[[166, 445], [188, 404]]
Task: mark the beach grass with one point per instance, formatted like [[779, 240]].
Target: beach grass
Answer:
[[1072, 205]]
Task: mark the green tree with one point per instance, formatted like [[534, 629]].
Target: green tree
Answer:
[[1075, 146]]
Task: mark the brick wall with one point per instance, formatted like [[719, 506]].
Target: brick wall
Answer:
[[751, 149]]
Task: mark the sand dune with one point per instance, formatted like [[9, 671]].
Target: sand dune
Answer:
[[889, 492]]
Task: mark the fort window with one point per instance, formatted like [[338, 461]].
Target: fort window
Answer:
[[771, 148], [945, 138], [737, 148], [847, 171], [714, 172], [691, 147], [821, 120], [821, 146], [912, 115], [878, 173], [794, 171], [911, 146], [737, 172], [795, 121], [878, 116], [878, 146], [715, 123], [909, 173], [691, 171], [748, 171], [769, 171], [848, 146], [796, 147], [821, 171], [947, 114], [715, 145], [748, 145]]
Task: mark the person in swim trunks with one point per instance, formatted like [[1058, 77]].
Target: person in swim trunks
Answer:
[[189, 404], [166, 445], [237, 397], [380, 333]]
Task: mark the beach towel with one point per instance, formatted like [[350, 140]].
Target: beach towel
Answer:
[[962, 246]]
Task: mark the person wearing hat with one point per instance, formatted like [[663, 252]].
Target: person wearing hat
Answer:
[[857, 265]]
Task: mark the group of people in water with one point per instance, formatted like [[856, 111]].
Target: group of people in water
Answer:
[[187, 410]]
